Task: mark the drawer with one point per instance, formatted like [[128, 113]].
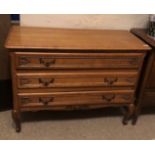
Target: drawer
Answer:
[[65, 79], [75, 98], [78, 60]]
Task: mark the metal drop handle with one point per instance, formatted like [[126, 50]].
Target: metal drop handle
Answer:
[[47, 62], [46, 100], [108, 97], [46, 82], [110, 80]]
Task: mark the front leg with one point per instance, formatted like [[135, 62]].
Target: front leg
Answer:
[[128, 114], [17, 120], [135, 115]]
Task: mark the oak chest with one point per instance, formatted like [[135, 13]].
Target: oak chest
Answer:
[[146, 96], [70, 69]]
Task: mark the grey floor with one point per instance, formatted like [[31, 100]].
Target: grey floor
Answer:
[[96, 124]]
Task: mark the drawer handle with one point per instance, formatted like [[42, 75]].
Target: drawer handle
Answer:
[[47, 62], [46, 82], [25, 100], [111, 80], [24, 61], [46, 100], [126, 97], [108, 97], [24, 81]]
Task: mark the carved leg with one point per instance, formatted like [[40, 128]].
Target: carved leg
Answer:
[[124, 111], [125, 119], [135, 115], [128, 114], [17, 120]]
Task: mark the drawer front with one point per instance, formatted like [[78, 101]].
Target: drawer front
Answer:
[[75, 98], [76, 79], [78, 61]]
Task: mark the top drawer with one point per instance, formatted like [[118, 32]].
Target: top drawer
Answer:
[[77, 60]]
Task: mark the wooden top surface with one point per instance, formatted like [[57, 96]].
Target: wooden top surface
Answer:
[[54, 38], [142, 33]]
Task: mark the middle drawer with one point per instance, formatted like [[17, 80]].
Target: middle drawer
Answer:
[[76, 79]]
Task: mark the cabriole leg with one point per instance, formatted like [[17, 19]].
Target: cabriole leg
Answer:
[[128, 114], [17, 120], [135, 115]]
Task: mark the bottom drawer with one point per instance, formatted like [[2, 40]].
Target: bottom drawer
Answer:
[[75, 98]]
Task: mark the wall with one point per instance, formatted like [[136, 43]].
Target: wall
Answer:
[[4, 58], [100, 21]]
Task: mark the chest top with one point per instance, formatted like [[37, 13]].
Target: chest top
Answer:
[[143, 34], [72, 39]]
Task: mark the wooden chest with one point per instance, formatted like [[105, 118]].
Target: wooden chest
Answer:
[[146, 96], [74, 69]]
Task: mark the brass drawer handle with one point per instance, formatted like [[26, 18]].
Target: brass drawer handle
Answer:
[[46, 82], [24, 81], [25, 100], [126, 97], [47, 61], [110, 80], [108, 97], [24, 60], [46, 100]]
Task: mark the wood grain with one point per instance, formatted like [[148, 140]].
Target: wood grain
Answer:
[[75, 98], [76, 79], [49, 38], [59, 60], [142, 33]]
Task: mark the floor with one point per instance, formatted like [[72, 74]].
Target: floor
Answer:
[[94, 124]]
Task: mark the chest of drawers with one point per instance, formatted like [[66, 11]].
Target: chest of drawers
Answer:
[[66, 69], [146, 96]]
